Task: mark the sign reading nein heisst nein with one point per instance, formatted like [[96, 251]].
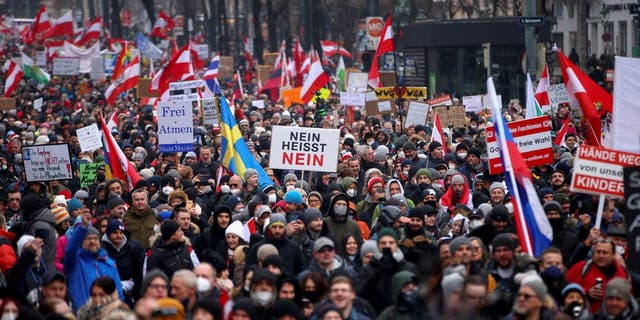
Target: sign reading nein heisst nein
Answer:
[[308, 149]]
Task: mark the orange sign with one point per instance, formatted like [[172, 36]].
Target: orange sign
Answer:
[[292, 96]]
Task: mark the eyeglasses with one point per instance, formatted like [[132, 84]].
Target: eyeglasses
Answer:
[[158, 286], [525, 296]]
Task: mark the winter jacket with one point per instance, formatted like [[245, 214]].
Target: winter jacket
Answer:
[[129, 257], [585, 274], [289, 250], [27, 277], [83, 267], [140, 224], [7, 255], [44, 219], [169, 257], [340, 227], [61, 245]]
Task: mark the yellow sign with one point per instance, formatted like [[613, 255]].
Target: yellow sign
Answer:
[[412, 93]]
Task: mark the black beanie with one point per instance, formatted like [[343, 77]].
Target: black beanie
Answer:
[[32, 203], [168, 228], [433, 145], [210, 305], [503, 240], [114, 201], [285, 307], [245, 304]]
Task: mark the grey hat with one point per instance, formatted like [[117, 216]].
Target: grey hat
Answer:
[[148, 278], [250, 172], [457, 178], [535, 282], [369, 246], [138, 156], [191, 154], [266, 250], [290, 176], [321, 243], [381, 152], [262, 210], [92, 231], [173, 173], [457, 242], [552, 206], [618, 287], [496, 185], [310, 215], [451, 283]]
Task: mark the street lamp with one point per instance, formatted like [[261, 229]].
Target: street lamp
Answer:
[[604, 17]]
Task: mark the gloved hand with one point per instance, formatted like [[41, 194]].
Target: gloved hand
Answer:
[[127, 285]]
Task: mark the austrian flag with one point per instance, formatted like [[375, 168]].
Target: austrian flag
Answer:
[[13, 75]]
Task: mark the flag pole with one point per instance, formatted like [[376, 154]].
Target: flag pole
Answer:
[[600, 210]]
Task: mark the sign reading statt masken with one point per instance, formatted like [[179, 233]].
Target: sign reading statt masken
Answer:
[[308, 149]]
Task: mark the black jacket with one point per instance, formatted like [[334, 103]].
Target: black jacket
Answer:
[[289, 250], [129, 258], [169, 257]]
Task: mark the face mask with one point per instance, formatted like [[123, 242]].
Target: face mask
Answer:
[[9, 316], [432, 203], [620, 250], [247, 287], [167, 189], [436, 185], [262, 298], [100, 177], [400, 155], [410, 297], [156, 228], [556, 225], [462, 155], [263, 154], [422, 186], [552, 273], [235, 192], [206, 189], [203, 284], [4, 167], [290, 187], [273, 198], [574, 309], [340, 210], [476, 223], [405, 173], [351, 192], [225, 188], [370, 142]]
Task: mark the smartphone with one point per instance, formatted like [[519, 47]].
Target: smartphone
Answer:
[[42, 234], [189, 204]]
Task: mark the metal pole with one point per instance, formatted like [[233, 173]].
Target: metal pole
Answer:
[[530, 39]]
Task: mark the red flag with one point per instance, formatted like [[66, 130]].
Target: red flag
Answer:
[[385, 45], [436, 133], [13, 74], [542, 95], [63, 26], [316, 79], [594, 101], [163, 25], [562, 133], [90, 33], [179, 68], [120, 166], [40, 24], [127, 81]]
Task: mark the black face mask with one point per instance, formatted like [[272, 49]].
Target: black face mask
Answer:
[[556, 224], [422, 186], [574, 310], [407, 300], [433, 204], [100, 177], [313, 296]]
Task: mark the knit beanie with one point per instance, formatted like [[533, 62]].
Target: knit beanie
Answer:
[[451, 283], [114, 225], [373, 181], [552, 206], [457, 242], [618, 287], [232, 202], [237, 229], [250, 172], [168, 228], [73, 204], [534, 282], [369, 246], [290, 176], [23, 240], [60, 214], [92, 231], [276, 219], [423, 172], [310, 215], [434, 145], [387, 232], [114, 201], [503, 240], [146, 281], [266, 250], [496, 185], [346, 182], [457, 179], [293, 196], [380, 154]]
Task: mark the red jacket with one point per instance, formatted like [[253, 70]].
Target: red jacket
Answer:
[[7, 255], [585, 274]]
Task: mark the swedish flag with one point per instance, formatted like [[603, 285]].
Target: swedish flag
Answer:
[[235, 153]]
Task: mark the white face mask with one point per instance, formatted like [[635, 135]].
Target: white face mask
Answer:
[[235, 192], [273, 198], [620, 250], [167, 189], [262, 298], [476, 223], [156, 228], [9, 316], [203, 284], [462, 155], [206, 189], [351, 192], [290, 187], [225, 188]]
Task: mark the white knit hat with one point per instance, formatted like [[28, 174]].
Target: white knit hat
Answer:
[[237, 228], [23, 240]]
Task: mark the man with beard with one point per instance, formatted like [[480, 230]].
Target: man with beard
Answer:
[[128, 255], [557, 180], [411, 152], [530, 301], [458, 193], [473, 165], [85, 261], [563, 239], [288, 249]]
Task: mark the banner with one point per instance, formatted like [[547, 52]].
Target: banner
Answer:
[[374, 31], [599, 171], [417, 114], [308, 149], [632, 215], [175, 126], [453, 116], [87, 173], [109, 62], [85, 55], [47, 162], [66, 66], [444, 100], [401, 92], [626, 111], [186, 90], [89, 137], [533, 137]]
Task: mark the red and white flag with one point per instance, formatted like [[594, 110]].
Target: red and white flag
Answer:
[[436, 133], [63, 26], [281, 56], [127, 81], [113, 122], [562, 133], [542, 95], [121, 167], [163, 25], [180, 68], [330, 48], [304, 68], [316, 79], [13, 74], [40, 25], [385, 45], [594, 101], [90, 33]]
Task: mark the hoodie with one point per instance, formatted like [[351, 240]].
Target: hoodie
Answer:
[[340, 226]]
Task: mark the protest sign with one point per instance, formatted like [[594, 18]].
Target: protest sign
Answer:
[[417, 114], [225, 68], [66, 66], [357, 81], [142, 90], [109, 62], [311, 149], [443, 100], [97, 68], [291, 96], [632, 215], [486, 102], [599, 171], [472, 103], [375, 25], [37, 104], [388, 79], [209, 111], [175, 126], [451, 116], [352, 98], [41, 59], [401, 92], [626, 112], [533, 137], [557, 94], [258, 104], [47, 162], [202, 50], [186, 90], [7, 103], [89, 138], [87, 173]]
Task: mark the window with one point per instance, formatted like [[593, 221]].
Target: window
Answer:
[[558, 8]]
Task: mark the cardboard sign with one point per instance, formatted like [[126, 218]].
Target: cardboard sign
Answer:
[[301, 148], [352, 99], [47, 162], [388, 79], [401, 92], [269, 58], [37, 104], [66, 66], [202, 50], [175, 126], [371, 105], [599, 171], [209, 110], [89, 138], [453, 116], [557, 94], [417, 114], [472, 103], [533, 137], [632, 215], [87, 173], [357, 81], [443, 100], [186, 90], [7, 103], [258, 104]]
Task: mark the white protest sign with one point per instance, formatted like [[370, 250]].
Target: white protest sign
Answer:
[[175, 126], [384, 106], [97, 68], [41, 59], [202, 50], [37, 104], [66, 66], [185, 90], [47, 162], [626, 115], [311, 149], [557, 94], [357, 81], [352, 99], [486, 101], [599, 171], [472, 103], [209, 111], [89, 138], [417, 114], [258, 104], [109, 62]]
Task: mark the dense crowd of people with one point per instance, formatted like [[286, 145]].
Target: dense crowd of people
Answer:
[[406, 228]]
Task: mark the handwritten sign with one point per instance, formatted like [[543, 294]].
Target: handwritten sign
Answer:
[[175, 126], [309, 149], [7, 103], [66, 66], [352, 99], [357, 81], [472, 103], [209, 111], [87, 173], [453, 116], [417, 114], [47, 162], [37, 104], [89, 138], [258, 104], [401, 92], [557, 94], [185, 90]]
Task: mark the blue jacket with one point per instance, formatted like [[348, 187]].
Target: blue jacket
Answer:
[[82, 268]]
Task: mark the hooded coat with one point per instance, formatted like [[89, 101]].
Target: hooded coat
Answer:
[[129, 257], [38, 217], [211, 245], [140, 224], [400, 310], [341, 226]]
